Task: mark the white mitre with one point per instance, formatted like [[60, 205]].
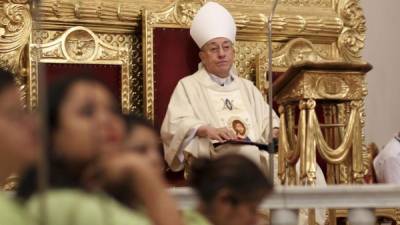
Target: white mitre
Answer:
[[212, 21]]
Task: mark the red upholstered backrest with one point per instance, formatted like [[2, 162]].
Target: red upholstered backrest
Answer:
[[175, 56], [109, 74]]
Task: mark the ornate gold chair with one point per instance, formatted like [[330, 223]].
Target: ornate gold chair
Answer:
[[295, 40], [169, 55], [336, 30], [78, 50], [166, 34]]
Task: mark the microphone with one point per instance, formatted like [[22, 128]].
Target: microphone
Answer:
[[271, 142]]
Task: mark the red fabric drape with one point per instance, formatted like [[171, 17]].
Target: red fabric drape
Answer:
[[109, 74], [175, 56]]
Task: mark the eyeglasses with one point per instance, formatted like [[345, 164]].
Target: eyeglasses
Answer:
[[214, 48]]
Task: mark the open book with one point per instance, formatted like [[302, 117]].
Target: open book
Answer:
[[263, 147]]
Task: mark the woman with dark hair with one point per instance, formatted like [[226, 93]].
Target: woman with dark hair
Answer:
[[143, 139], [230, 188], [85, 157], [19, 143]]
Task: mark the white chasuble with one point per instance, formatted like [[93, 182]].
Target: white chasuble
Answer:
[[197, 101], [232, 112]]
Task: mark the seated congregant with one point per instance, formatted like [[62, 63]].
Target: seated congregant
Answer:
[[143, 139], [230, 190], [85, 157], [387, 162], [210, 105], [19, 144]]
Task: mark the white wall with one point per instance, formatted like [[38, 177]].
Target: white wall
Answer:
[[383, 52]]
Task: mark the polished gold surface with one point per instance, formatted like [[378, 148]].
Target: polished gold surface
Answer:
[[323, 29], [339, 141], [325, 85], [79, 45], [10, 183], [298, 36], [15, 30], [120, 32], [392, 214]]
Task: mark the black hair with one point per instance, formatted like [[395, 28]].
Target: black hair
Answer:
[[57, 93], [133, 121], [6, 79], [122, 191], [233, 172], [61, 174]]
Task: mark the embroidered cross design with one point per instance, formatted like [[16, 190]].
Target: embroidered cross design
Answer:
[[228, 104]]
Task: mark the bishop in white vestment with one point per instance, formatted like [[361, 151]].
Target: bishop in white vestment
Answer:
[[215, 104]]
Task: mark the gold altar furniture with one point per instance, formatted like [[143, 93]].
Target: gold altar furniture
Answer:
[[338, 89], [120, 33], [320, 107]]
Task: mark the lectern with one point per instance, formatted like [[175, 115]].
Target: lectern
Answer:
[[321, 117]]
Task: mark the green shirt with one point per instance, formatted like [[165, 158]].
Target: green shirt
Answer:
[[192, 217], [75, 207], [11, 213]]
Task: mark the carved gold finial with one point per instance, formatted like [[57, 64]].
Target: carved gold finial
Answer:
[[311, 104], [281, 109], [302, 105]]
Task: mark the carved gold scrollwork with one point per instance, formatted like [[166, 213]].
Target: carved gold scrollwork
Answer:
[[15, 28], [10, 183], [180, 13], [319, 85], [351, 40], [332, 87], [295, 51], [186, 10], [81, 45], [89, 11]]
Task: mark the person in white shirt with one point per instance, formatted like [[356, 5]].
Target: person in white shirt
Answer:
[[387, 163]]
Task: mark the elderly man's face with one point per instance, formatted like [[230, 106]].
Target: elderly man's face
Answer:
[[217, 56]]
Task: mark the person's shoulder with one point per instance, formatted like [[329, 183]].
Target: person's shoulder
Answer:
[[391, 148], [250, 87], [85, 208], [59, 200], [11, 212], [190, 78], [66, 205], [248, 83], [65, 195], [8, 202]]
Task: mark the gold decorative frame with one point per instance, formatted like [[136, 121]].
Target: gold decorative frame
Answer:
[[335, 31], [79, 45], [177, 15], [15, 30], [336, 27], [296, 50]]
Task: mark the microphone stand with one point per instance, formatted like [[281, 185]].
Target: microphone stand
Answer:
[[270, 92]]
